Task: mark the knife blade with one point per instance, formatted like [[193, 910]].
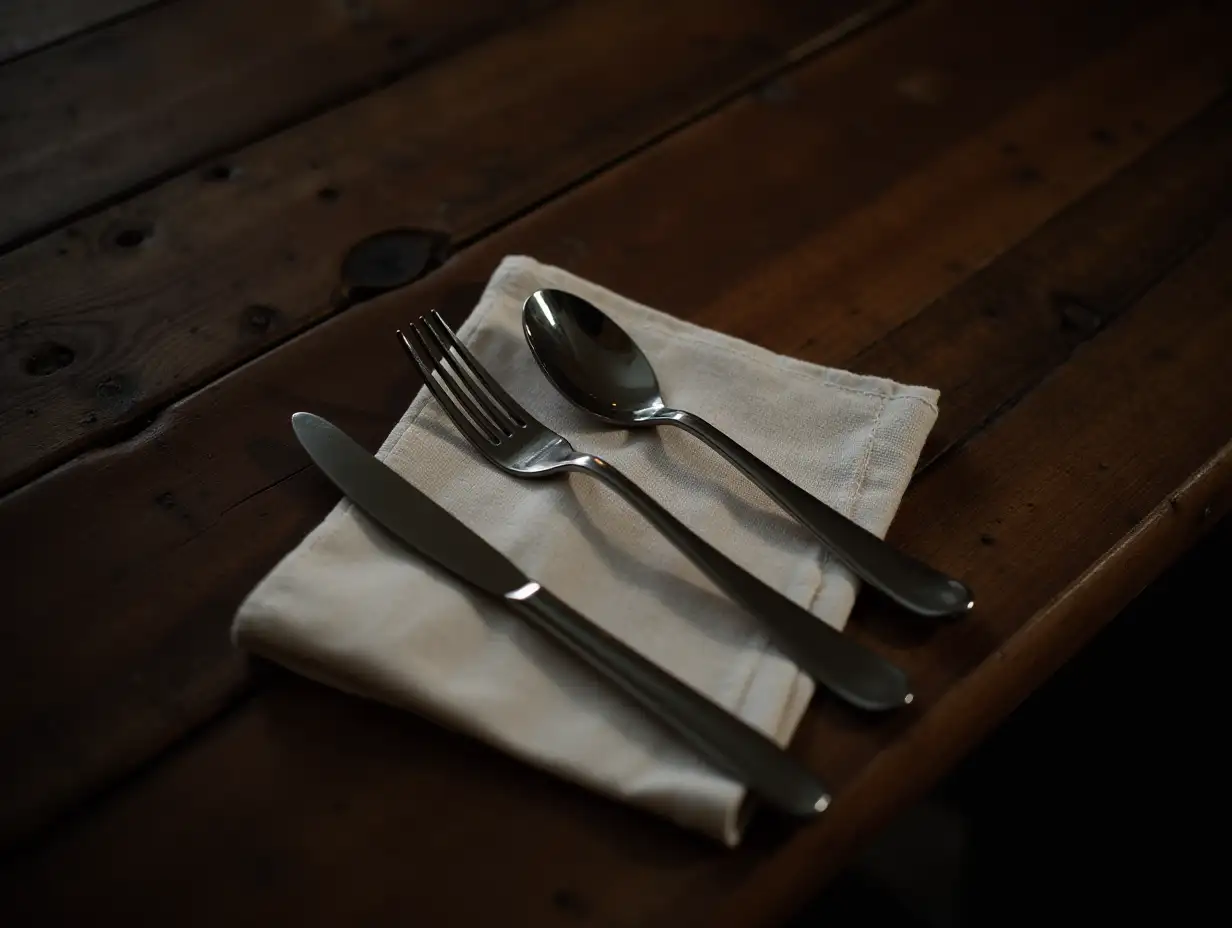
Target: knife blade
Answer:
[[431, 531]]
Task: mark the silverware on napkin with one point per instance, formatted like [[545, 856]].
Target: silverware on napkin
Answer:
[[595, 365], [424, 527], [508, 436]]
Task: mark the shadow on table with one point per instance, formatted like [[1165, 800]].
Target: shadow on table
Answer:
[[1091, 801]]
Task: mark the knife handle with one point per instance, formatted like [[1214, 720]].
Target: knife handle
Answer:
[[740, 750]]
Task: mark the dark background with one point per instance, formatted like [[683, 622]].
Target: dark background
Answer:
[[1094, 802]]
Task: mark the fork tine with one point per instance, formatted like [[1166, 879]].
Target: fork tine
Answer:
[[481, 432], [472, 376], [460, 385], [511, 406]]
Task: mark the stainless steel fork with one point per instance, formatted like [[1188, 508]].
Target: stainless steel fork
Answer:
[[513, 440]]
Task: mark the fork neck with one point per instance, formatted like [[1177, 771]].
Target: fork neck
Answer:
[[593, 464], [597, 467]]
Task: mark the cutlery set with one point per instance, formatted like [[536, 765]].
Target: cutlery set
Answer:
[[599, 368]]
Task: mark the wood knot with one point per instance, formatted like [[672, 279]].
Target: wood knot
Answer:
[[109, 388], [132, 236], [260, 318], [388, 260], [49, 358], [1076, 314]]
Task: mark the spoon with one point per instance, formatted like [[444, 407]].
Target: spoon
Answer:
[[598, 367]]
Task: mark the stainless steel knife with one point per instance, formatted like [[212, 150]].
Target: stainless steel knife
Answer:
[[424, 527]]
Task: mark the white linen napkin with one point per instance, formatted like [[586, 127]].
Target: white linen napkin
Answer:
[[351, 608]]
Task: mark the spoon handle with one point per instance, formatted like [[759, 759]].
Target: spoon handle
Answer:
[[905, 580], [846, 668]]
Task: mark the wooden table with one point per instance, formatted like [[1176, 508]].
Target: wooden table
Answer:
[[1025, 204]]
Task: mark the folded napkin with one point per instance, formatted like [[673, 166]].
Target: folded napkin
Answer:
[[351, 608]]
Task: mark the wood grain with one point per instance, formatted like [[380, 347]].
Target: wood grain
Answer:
[[309, 788], [105, 321], [154, 93], [951, 217], [1030, 310], [1052, 485], [977, 704], [27, 25], [187, 517]]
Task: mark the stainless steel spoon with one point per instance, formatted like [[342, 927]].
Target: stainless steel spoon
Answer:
[[598, 367]]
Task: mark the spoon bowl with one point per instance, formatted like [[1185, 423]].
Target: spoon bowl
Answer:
[[590, 359]]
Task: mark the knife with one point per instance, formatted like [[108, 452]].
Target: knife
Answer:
[[427, 529]]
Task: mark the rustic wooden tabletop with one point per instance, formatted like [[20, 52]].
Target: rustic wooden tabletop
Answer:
[[1025, 204]]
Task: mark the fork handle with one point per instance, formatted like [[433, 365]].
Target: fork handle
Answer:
[[905, 580], [849, 670]]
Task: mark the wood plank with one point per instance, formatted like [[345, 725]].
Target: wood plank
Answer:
[[1079, 527], [28, 25], [284, 794], [189, 515], [104, 322], [1033, 308], [153, 94], [903, 773], [1030, 163]]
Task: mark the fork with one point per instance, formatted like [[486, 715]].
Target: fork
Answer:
[[512, 439]]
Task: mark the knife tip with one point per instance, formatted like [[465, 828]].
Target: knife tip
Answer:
[[301, 422]]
